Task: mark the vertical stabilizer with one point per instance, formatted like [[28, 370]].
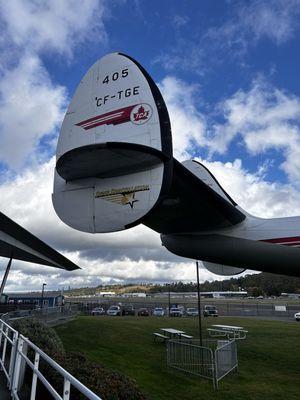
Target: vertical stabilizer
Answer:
[[114, 154]]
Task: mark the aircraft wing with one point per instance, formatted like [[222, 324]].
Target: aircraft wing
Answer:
[[20, 244]]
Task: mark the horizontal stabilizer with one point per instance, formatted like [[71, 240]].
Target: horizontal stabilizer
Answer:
[[192, 205], [20, 244], [208, 178]]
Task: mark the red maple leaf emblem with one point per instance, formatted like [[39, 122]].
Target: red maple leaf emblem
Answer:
[[141, 114]]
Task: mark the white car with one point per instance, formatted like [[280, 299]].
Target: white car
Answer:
[[176, 312], [210, 311], [191, 312], [297, 316], [98, 311], [113, 311], [158, 312]]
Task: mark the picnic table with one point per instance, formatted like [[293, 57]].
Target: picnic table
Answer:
[[229, 331], [171, 333]]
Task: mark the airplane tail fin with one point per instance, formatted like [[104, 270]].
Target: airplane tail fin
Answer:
[[115, 167], [114, 154]]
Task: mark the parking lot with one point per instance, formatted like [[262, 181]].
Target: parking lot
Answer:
[[249, 308]]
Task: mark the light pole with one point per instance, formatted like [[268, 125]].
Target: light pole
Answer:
[[169, 298], [199, 304], [43, 288]]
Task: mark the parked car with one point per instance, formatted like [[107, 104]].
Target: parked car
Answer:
[[297, 316], [176, 312], [98, 311], [128, 310], [192, 312], [113, 311], [210, 311], [143, 312], [158, 312]]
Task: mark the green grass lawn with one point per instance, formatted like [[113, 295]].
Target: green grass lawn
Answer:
[[269, 359]]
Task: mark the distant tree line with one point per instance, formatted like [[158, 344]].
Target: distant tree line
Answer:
[[256, 285]]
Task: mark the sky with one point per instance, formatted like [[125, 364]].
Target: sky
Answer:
[[229, 73]]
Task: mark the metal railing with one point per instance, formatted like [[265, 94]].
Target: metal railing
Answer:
[[213, 360], [24, 356], [24, 345], [225, 358], [8, 346], [49, 315]]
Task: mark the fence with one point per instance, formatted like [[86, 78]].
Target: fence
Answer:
[[22, 356], [8, 345], [50, 315], [225, 308], [213, 360]]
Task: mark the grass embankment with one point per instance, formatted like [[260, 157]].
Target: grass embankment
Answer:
[[269, 359]]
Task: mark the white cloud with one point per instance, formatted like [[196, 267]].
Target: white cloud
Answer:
[[265, 118], [253, 193], [134, 255], [242, 26], [180, 20], [262, 118], [188, 124], [53, 24], [275, 20], [99, 271], [137, 254], [31, 106]]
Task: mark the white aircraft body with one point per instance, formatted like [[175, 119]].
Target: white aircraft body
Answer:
[[115, 169]]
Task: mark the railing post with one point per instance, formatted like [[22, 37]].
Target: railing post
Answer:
[[1, 333], [215, 369], [67, 388], [12, 358], [22, 365], [16, 374], [4, 345], [34, 376]]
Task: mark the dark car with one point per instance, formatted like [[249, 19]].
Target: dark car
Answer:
[[128, 310], [210, 311], [143, 312]]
